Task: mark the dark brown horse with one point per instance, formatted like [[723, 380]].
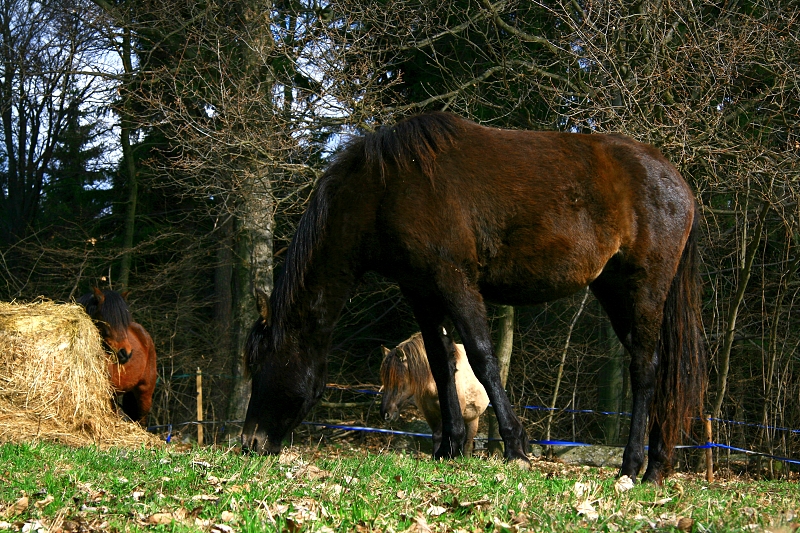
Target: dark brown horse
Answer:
[[132, 358], [406, 374], [459, 214]]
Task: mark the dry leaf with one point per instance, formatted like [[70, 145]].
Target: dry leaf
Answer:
[[160, 519], [420, 525], [227, 516], [18, 507], [685, 523], [586, 509], [223, 528], [436, 510], [205, 498], [623, 484], [581, 489], [45, 502]]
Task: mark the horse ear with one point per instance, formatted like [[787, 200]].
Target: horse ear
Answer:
[[401, 355], [264, 307], [99, 296], [384, 350], [125, 295]]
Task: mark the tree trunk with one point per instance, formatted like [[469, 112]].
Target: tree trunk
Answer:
[[505, 343], [611, 384], [126, 128], [748, 255], [252, 268]]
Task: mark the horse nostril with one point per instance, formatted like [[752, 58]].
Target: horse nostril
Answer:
[[123, 356]]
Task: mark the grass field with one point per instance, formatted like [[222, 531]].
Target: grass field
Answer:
[[54, 488]]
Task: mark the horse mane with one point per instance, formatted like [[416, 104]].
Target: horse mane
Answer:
[[416, 371], [414, 141], [114, 311]]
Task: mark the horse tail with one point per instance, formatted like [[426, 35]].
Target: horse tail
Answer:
[[682, 378]]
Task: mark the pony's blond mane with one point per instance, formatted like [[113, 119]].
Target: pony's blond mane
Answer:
[[416, 372]]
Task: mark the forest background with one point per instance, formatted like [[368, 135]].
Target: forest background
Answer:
[[168, 147]]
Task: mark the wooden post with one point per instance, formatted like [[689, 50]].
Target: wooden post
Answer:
[[709, 451], [199, 407]]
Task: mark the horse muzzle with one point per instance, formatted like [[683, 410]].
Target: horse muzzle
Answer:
[[259, 444], [123, 356], [390, 415]]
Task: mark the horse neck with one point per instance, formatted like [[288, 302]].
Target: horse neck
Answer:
[[328, 281]]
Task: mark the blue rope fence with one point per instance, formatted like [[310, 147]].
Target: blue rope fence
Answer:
[[707, 445]]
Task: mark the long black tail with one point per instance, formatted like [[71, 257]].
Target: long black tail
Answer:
[[682, 374]]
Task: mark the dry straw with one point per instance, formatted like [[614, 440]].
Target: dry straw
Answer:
[[54, 382]]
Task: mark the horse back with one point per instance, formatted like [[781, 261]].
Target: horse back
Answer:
[[532, 216]]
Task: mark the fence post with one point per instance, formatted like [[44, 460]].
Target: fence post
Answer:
[[199, 407], [709, 451]]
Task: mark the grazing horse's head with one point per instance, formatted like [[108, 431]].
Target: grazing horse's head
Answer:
[[404, 372], [288, 380], [110, 313]]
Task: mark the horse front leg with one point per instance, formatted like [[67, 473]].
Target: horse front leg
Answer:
[[467, 310], [437, 346]]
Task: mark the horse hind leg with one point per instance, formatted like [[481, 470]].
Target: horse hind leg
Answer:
[[638, 332]]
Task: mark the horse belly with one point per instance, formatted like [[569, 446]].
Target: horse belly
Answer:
[[530, 269]]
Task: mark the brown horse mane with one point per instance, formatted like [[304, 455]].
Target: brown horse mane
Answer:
[[114, 311], [414, 141], [416, 372]]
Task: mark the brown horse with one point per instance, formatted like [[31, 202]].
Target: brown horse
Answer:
[[405, 373], [459, 214], [132, 358]]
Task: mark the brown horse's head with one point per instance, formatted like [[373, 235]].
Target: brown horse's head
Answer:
[[404, 372], [110, 313]]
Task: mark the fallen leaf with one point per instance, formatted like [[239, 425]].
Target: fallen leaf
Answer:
[[623, 484], [160, 519], [205, 498], [685, 523], [223, 528], [44, 502], [18, 507], [436, 510], [227, 516], [581, 489], [420, 525], [33, 527], [586, 509]]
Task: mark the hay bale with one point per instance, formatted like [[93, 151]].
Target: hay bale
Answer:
[[54, 383]]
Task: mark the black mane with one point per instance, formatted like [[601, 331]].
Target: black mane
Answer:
[[415, 141], [114, 310]]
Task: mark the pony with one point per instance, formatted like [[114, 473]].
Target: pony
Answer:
[[459, 214], [405, 373], [132, 353]]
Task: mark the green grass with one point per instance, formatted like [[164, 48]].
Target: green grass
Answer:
[[335, 489]]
